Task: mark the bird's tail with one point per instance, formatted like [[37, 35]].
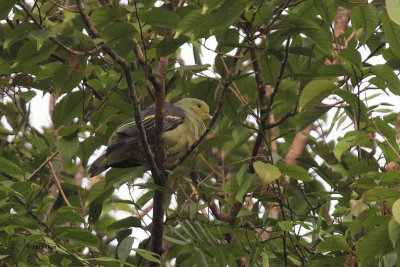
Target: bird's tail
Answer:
[[98, 166]]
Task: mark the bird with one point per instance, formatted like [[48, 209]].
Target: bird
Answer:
[[183, 123]]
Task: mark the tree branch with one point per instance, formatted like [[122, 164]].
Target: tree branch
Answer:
[[131, 86]]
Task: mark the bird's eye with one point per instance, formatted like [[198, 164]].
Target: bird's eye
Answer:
[[199, 105]]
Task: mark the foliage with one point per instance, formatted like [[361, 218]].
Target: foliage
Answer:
[[252, 193]]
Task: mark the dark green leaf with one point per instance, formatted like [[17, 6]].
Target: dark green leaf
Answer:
[[80, 236], [169, 45], [70, 107], [95, 210], [293, 171], [380, 194], [392, 33], [364, 18], [9, 167], [333, 243], [5, 8], [387, 75], [68, 146], [161, 17], [315, 91], [118, 31], [125, 223]]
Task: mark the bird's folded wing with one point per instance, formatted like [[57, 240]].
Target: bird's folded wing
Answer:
[[128, 133]]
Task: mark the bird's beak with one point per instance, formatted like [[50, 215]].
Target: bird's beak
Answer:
[[209, 117]]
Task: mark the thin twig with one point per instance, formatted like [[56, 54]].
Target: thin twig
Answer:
[[43, 164], [58, 183]]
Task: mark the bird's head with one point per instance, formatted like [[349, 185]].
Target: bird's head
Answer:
[[198, 106]]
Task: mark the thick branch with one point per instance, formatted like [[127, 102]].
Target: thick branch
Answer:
[[157, 229]]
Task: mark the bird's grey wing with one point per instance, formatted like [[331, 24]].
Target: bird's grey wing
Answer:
[[127, 133]]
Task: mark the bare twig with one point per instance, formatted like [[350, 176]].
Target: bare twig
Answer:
[[43, 164], [58, 184]]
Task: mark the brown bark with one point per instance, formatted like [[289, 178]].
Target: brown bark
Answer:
[[341, 20], [297, 146]]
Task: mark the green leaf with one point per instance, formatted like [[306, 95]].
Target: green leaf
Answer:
[[34, 237], [70, 107], [384, 128], [194, 22], [364, 18], [68, 130], [118, 31], [390, 178], [334, 70], [332, 243], [351, 58], [95, 210], [65, 214], [125, 223], [387, 75], [394, 230], [264, 14], [107, 14], [396, 210], [169, 45], [270, 68], [267, 172], [9, 167], [27, 96], [193, 68], [393, 10], [244, 187], [80, 236], [210, 5], [315, 91], [41, 35], [28, 54], [286, 225], [265, 259], [368, 249], [318, 34], [293, 171], [86, 149], [351, 139], [161, 17], [110, 260], [5, 8], [227, 13], [392, 33], [197, 24], [380, 194], [354, 102], [10, 192], [125, 247], [68, 146], [65, 79], [148, 255], [175, 241]]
